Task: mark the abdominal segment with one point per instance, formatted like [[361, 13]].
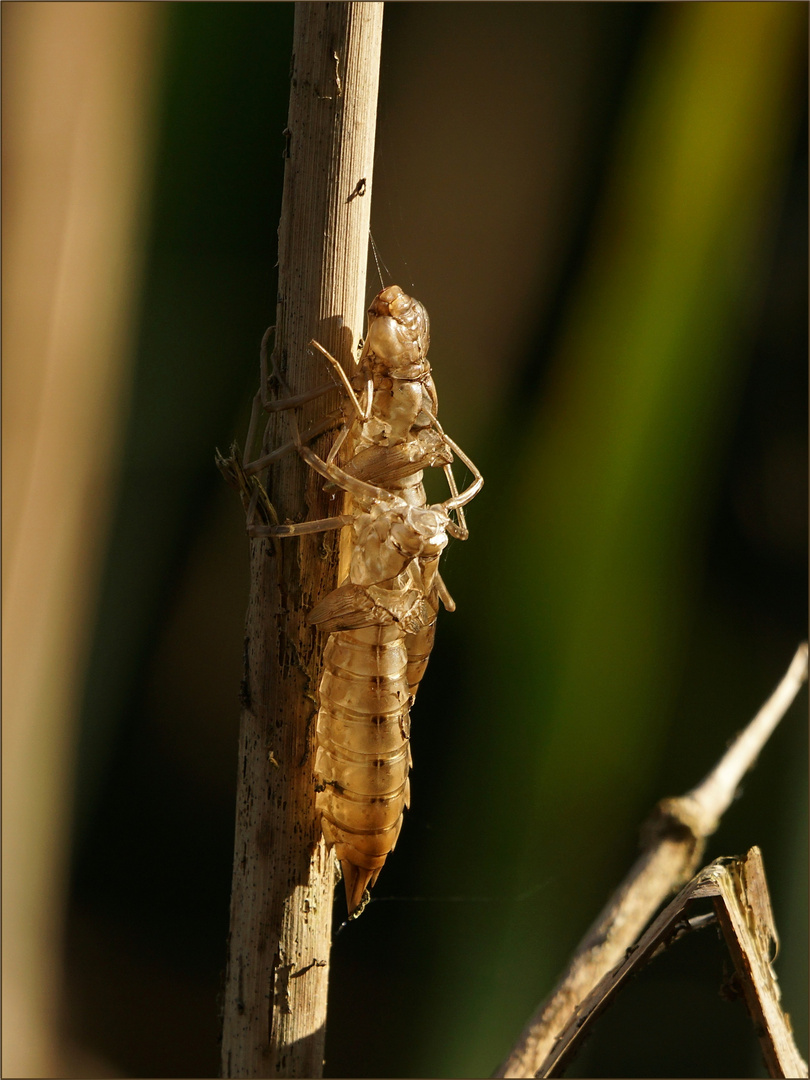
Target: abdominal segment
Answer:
[[363, 756]]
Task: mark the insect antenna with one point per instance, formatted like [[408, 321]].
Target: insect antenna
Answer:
[[377, 260]]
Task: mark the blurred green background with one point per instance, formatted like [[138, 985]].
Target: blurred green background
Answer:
[[604, 209]]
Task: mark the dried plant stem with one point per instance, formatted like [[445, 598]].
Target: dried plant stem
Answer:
[[674, 839], [278, 962], [738, 890]]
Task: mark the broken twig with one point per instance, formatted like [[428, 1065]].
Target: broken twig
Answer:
[[739, 894], [673, 841]]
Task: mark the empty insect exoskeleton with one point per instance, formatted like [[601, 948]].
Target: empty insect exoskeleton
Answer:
[[393, 433], [381, 619]]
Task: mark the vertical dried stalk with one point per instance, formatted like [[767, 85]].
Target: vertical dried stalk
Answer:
[[278, 963]]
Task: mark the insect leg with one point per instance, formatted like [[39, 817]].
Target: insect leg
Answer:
[[457, 501], [469, 493], [301, 528], [333, 453], [262, 402], [359, 488], [460, 530], [254, 416], [280, 404], [291, 401], [444, 595], [324, 425], [341, 374]]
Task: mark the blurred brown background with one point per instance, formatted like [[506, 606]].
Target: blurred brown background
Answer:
[[604, 209]]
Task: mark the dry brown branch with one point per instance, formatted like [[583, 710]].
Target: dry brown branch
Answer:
[[673, 842], [281, 905], [738, 891]]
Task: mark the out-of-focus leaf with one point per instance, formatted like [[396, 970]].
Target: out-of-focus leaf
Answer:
[[605, 501]]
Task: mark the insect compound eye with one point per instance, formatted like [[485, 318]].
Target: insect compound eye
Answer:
[[399, 303], [391, 294], [384, 340], [381, 304], [426, 332]]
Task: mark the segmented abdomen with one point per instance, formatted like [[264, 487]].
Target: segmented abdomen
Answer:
[[419, 647], [363, 756]]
